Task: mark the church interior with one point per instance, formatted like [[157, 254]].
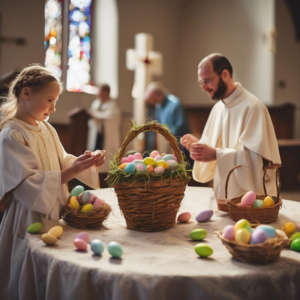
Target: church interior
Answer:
[[260, 38]]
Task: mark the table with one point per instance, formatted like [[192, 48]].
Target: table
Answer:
[[161, 265]]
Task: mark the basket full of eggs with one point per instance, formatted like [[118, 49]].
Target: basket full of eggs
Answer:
[[257, 209], [149, 187], [261, 245], [85, 210]]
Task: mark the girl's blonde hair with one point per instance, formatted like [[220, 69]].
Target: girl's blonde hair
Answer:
[[36, 77]]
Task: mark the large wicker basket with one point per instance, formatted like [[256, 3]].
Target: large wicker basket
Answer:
[[264, 253], [256, 216], [152, 205]]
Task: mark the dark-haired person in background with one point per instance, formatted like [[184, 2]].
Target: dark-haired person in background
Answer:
[[239, 131]]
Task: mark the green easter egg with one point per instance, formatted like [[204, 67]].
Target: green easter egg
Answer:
[[258, 203], [115, 249], [87, 208], [295, 245], [35, 228], [77, 191], [203, 250], [198, 234], [295, 236]]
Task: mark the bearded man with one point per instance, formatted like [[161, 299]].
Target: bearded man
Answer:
[[239, 131]]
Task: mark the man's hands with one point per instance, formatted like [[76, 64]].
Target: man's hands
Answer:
[[202, 152], [187, 141]]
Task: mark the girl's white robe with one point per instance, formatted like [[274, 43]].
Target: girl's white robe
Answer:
[[31, 160]]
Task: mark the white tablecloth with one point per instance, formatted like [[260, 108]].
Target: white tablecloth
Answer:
[[160, 265]]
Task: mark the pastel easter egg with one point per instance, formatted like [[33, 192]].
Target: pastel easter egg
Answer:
[[85, 197], [77, 191], [130, 168], [172, 165], [295, 245], [258, 236], [74, 203], [295, 236], [229, 232], [97, 203], [97, 247], [124, 160], [150, 169], [204, 215], [168, 157], [49, 239], [138, 161], [198, 234], [162, 163], [203, 250], [115, 249], [268, 201], [243, 224], [243, 236], [154, 153], [269, 230], [145, 154], [35, 228], [92, 198], [289, 227], [163, 154], [141, 168], [159, 170], [122, 166], [184, 217], [149, 161], [258, 203], [83, 236], [56, 231], [157, 158], [248, 199], [138, 156], [80, 244], [87, 208], [130, 158]]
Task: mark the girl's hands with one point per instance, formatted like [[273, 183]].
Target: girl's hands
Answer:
[[98, 155], [82, 163], [187, 141], [202, 152]]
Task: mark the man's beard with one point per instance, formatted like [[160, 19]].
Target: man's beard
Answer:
[[221, 90]]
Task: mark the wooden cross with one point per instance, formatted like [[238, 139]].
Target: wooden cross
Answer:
[[146, 64]]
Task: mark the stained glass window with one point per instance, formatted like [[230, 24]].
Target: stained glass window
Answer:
[[79, 48], [53, 36]]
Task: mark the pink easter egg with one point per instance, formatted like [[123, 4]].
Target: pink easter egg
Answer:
[[137, 156], [124, 160], [80, 244], [159, 170], [229, 232], [248, 199], [97, 203], [92, 198], [130, 158], [184, 217], [83, 236], [157, 158], [154, 153]]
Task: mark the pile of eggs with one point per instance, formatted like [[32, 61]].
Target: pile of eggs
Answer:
[[82, 240], [249, 200], [154, 163], [83, 200]]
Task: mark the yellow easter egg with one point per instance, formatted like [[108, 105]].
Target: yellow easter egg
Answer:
[[56, 231], [122, 166], [49, 239], [243, 236], [162, 163], [289, 227], [149, 161], [268, 201], [74, 203], [243, 223], [87, 208]]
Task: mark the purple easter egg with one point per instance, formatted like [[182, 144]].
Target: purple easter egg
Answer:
[[204, 215], [229, 232], [258, 236]]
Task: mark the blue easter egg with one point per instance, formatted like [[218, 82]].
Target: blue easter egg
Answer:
[[269, 230], [130, 168], [115, 249], [85, 197], [168, 157], [97, 246]]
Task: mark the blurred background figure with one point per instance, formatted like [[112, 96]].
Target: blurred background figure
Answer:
[[166, 109], [104, 127]]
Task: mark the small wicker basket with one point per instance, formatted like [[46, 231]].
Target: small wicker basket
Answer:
[[263, 253], [153, 205], [256, 216], [88, 220]]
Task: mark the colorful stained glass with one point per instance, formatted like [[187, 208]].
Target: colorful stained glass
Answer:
[[79, 49], [53, 36]]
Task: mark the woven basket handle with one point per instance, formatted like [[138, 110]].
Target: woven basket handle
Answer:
[[156, 127], [227, 180]]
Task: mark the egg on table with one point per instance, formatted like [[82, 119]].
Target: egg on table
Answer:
[[184, 217]]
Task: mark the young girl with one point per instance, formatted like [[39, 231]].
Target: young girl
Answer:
[[34, 171]]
